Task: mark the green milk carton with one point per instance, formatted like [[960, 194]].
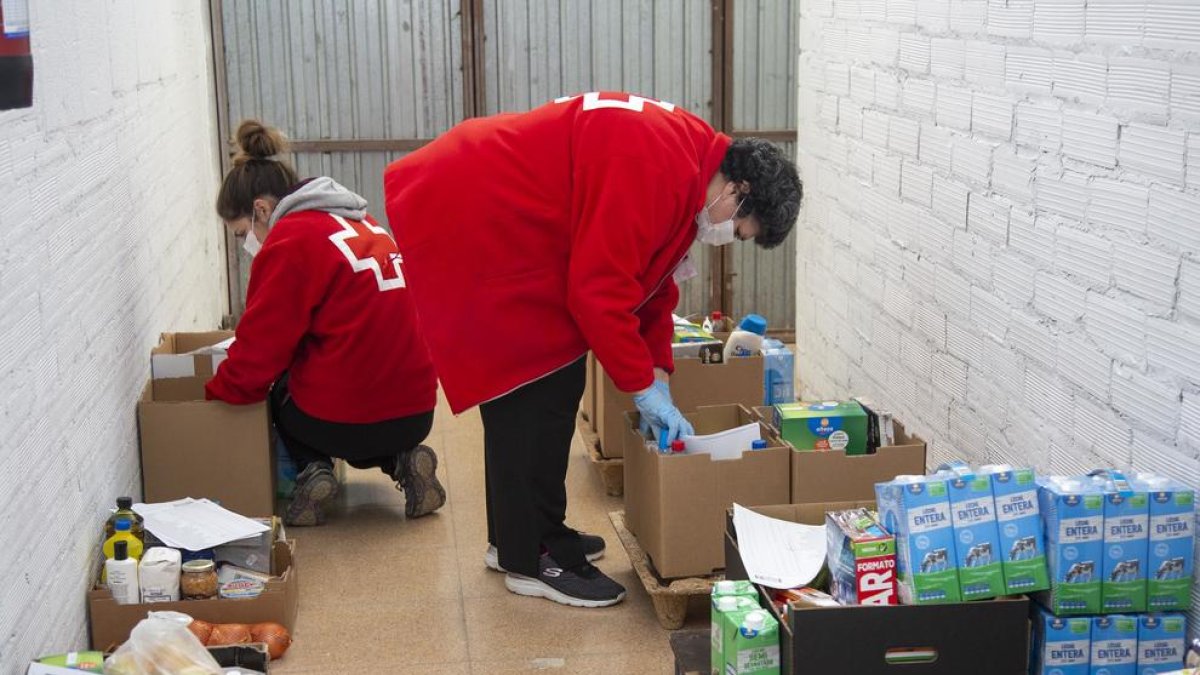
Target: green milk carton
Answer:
[[727, 597], [751, 645], [829, 425]]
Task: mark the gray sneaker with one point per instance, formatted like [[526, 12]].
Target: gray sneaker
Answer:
[[583, 586], [316, 487], [416, 475]]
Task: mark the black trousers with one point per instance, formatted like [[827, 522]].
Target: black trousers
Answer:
[[527, 442], [364, 446]]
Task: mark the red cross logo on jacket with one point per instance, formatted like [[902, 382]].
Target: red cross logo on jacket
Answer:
[[369, 247]]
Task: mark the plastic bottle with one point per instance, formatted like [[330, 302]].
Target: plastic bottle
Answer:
[[747, 339], [677, 447], [122, 573], [760, 444], [123, 533], [125, 510]]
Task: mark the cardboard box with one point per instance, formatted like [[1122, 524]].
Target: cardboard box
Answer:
[[694, 384], [986, 637], [836, 476], [861, 557], [675, 504], [176, 372], [191, 447], [111, 622]]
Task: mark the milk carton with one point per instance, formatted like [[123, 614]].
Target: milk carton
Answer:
[[751, 643], [1126, 543], [1114, 645], [1172, 538], [1019, 523], [1061, 644], [779, 373], [728, 597], [861, 558], [976, 538], [1160, 643], [1073, 511], [916, 509]]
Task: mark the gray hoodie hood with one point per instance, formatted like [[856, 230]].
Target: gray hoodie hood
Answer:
[[321, 194]]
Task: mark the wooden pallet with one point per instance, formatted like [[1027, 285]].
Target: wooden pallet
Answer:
[[611, 469], [670, 598]]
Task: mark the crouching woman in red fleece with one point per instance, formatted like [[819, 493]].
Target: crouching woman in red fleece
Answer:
[[329, 332]]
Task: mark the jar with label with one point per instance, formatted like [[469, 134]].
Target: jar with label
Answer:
[[198, 580]]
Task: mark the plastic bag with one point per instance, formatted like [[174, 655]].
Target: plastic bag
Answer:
[[161, 644]]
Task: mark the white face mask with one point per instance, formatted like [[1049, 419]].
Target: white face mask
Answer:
[[716, 234], [251, 245]]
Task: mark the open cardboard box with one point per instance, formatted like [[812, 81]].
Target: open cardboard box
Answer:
[[675, 504], [191, 447], [985, 637], [693, 384], [833, 476], [111, 622]]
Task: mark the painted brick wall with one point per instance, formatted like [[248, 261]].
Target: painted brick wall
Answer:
[[1001, 235], [107, 238]]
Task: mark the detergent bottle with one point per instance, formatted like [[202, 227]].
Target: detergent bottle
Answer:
[[747, 340]]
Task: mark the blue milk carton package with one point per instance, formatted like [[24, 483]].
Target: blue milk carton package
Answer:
[[779, 373], [976, 538], [1061, 644], [916, 509], [1114, 645], [1161, 639], [1073, 512], [1019, 522], [1126, 543], [1172, 541]]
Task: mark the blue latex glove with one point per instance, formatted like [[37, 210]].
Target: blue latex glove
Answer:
[[660, 415]]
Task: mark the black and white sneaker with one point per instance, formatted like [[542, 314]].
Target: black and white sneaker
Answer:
[[583, 586], [316, 487], [593, 548], [416, 475]]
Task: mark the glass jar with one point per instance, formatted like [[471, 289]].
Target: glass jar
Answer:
[[198, 580]]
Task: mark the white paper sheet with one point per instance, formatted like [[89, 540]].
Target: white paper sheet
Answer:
[[196, 524], [219, 348], [727, 444], [777, 553]]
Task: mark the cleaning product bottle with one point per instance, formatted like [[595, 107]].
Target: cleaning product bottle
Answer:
[[123, 532], [747, 339], [122, 574], [125, 510]]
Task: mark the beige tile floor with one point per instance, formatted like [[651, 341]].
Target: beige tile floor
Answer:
[[380, 594]]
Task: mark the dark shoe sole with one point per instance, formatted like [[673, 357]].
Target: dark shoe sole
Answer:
[[310, 499], [423, 494], [523, 585]]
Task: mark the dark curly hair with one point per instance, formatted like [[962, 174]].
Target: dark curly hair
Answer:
[[775, 190]]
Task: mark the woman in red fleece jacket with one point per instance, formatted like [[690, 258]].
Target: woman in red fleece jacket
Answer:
[[529, 239], [329, 332]]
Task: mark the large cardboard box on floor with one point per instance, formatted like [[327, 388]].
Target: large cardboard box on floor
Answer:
[[675, 504], [111, 622], [984, 637], [191, 447], [693, 384], [834, 476]]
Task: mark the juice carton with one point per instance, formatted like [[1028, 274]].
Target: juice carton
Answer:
[[862, 559], [976, 537], [751, 644], [831, 425], [1019, 523], [727, 597], [1161, 640], [1172, 538], [1073, 511], [1126, 543], [1114, 645], [916, 510], [1061, 644]]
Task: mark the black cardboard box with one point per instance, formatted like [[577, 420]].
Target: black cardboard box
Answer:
[[987, 637]]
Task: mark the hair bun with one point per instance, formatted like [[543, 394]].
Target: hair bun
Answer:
[[256, 140]]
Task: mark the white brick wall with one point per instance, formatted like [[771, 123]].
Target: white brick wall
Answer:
[[1050, 222], [107, 238]]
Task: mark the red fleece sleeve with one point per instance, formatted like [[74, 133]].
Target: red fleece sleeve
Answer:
[[657, 325], [286, 284], [622, 212]]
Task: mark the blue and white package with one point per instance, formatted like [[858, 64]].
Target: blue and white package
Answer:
[[916, 509], [1126, 543], [1161, 639], [1073, 510], [1114, 645], [1019, 522], [1172, 541], [779, 373], [976, 537], [1061, 644]]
